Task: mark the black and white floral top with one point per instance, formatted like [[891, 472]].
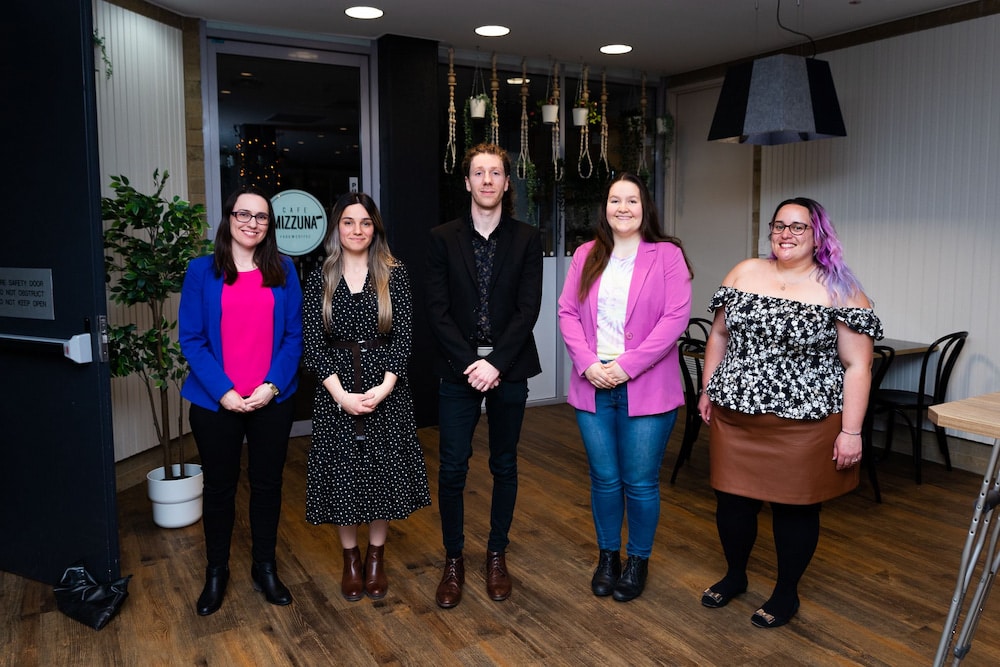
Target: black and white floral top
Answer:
[[782, 355]]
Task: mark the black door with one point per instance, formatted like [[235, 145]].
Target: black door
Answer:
[[57, 477]]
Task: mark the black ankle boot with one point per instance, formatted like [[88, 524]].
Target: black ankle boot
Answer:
[[216, 579], [609, 568], [633, 579], [265, 578]]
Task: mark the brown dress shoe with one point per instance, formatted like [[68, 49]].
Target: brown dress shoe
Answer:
[[376, 583], [352, 585], [449, 592], [497, 581]]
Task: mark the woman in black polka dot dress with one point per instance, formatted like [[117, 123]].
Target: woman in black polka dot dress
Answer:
[[365, 464]]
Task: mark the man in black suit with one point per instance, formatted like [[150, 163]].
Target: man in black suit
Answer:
[[484, 291]]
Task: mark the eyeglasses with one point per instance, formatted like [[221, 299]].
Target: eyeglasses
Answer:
[[247, 216], [796, 228]]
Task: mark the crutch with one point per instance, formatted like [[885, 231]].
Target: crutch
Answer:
[[987, 500]]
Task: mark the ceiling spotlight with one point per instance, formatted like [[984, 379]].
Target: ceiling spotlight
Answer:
[[492, 30], [362, 12], [615, 49], [517, 81]]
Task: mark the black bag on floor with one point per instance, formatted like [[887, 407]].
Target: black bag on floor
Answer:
[[83, 599]]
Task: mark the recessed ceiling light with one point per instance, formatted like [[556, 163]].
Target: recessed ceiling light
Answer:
[[492, 30], [517, 81], [616, 49], [362, 12]]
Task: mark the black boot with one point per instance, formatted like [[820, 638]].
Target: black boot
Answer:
[[265, 578], [216, 579], [609, 568], [633, 579]]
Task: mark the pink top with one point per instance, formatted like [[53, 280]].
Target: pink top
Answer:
[[247, 331]]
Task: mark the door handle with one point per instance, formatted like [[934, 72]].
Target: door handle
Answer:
[[75, 348]]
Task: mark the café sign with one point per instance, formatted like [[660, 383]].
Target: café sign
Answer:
[[300, 222]]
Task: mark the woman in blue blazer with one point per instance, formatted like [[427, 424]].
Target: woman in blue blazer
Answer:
[[240, 328]]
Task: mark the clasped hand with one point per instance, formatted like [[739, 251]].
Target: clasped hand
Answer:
[[605, 375], [260, 397], [363, 404], [482, 375]]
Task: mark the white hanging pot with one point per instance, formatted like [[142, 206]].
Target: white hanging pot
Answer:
[[550, 113], [176, 502], [580, 116], [477, 107]]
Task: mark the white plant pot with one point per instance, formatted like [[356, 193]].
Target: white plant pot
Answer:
[[550, 113], [176, 502], [580, 116], [477, 107]]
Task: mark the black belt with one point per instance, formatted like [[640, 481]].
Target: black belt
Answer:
[[357, 347]]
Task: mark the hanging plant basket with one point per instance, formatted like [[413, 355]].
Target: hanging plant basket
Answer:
[[580, 115], [550, 113], [477, 106]]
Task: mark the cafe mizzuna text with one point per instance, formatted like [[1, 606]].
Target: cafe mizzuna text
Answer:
[[298, 221]]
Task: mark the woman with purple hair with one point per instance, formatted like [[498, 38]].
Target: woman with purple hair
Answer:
[[787, 372]]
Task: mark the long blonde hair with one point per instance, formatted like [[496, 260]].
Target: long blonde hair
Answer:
[[380, 261]]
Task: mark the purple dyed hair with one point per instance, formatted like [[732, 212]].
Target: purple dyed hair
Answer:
[[840, 281]]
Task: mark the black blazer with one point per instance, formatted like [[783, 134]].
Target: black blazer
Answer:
[[452, 298]]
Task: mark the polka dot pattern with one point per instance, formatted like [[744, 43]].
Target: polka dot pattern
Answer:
[[384, 476]]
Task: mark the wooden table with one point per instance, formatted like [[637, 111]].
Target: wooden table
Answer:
[[979, 415], [904, 347]]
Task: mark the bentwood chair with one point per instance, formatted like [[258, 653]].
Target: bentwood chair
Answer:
[[883, 357], [692, 360], [698, 328], [935, 371]]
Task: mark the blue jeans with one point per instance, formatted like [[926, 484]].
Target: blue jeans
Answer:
[[625, 454], [459, 410]]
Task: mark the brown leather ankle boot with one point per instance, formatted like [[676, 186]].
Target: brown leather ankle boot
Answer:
[[375, 580], [352, 585]]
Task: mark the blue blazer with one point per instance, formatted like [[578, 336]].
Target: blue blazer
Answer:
[[200, 334]]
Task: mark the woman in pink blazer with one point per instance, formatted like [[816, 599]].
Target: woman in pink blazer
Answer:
[[626, 301]]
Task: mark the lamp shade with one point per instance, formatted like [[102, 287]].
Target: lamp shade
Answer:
[[777, 100]]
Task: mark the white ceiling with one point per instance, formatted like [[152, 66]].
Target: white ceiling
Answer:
[[667, 36]]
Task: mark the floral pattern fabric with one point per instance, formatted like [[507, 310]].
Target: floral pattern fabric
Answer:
[[782, 355]]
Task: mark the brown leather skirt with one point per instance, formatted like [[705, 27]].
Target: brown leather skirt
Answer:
[[776, 459]]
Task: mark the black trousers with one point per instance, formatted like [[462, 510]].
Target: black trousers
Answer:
[[220, 436]]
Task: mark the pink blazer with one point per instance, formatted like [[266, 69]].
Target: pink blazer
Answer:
[[659, 305]]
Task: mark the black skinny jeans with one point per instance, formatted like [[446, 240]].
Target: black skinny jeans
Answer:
[[219, 436]]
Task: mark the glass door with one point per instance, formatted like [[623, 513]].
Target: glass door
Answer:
[[287, 119]]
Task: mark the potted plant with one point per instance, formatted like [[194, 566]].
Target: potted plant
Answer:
[[148, 243], [550, 111], [477, 105]]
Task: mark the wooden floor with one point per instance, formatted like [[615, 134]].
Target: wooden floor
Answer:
[[877, 592]]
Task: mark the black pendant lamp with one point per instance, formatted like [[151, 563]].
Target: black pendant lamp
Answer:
[[778, 100]]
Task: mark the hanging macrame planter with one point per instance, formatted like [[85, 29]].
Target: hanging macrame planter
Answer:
[[495, 115], [584, 165], [557, 165], [451, 150], [603, 159], [524, 158], [581, 109], [479, 99]]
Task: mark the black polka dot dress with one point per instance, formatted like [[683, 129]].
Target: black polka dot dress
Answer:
[[383, 476]]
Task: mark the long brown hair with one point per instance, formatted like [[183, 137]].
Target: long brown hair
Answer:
[[265, 255], [604, 240], [380, 260]]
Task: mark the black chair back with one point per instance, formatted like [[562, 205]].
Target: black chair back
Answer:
[[698, 328], [948, 348], [692, 360]]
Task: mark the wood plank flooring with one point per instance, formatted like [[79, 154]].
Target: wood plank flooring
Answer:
[[877, 592]]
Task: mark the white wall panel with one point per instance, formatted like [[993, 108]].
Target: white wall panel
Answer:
[[141, 128], [913, 188]]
